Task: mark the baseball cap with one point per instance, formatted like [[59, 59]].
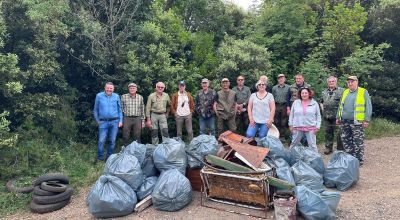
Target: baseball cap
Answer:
[[225, 80], [352, 78], [182, 82], [281, 75], [205, 80], [132, 84]]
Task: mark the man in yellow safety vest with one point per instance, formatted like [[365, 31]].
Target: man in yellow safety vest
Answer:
[[354, 115]]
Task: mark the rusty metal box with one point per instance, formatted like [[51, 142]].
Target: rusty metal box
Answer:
[[246, 190]]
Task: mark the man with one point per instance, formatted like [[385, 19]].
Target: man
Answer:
[[133, 109], [182, 107], [280, 92], [205, 99], [243, 94], [354, 115], [108, 115], [329, 106], [299, 78], [157, 110], [225, 107]]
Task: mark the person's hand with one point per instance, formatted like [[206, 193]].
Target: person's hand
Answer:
[[143, 124], [269, 123], [148, 123], [316, 130], [288, 111], [365, 124], [338, 121], [252, 122], [120, 124], [291, 128]]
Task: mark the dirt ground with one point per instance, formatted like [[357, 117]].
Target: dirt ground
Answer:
[[376, 195]]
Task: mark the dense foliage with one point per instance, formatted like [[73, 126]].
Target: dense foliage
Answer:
[[55, 55]]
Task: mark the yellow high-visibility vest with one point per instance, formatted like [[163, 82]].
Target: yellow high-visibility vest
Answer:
[[359, 104]]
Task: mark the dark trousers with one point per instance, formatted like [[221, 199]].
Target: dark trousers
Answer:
[[330, 127], [188, 124], [281, 119], [229, 122], [131, 124], [242, 122]]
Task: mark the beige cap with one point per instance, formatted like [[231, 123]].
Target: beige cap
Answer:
[[281, 75], [352, 78], [132, 84], [205, 80], [225, 80]]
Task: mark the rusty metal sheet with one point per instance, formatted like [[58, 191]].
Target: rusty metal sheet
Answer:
[[255, 155], [235, 137]]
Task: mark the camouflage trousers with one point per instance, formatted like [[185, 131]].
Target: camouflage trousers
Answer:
[[330, 127], [353, 140]]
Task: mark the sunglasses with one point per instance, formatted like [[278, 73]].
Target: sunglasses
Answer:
[[240, 79], [261, 84]]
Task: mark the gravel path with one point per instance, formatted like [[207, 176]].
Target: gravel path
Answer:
[[376, 195]]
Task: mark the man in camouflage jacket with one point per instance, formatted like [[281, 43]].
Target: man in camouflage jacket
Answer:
[[329, 105]]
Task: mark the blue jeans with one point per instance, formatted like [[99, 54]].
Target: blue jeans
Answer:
[[261, 127], [110, 129], [207, 123]]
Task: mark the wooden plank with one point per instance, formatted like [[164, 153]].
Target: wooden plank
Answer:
[[226, 164], [142, 205]]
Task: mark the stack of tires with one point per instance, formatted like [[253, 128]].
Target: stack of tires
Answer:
[[51, 192]]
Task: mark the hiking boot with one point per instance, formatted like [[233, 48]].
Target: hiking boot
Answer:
[[327, 151]]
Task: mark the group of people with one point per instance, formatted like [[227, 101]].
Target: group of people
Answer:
[[292, 108]]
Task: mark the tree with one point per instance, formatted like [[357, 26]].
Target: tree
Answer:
[[108, 25], [242, 57]]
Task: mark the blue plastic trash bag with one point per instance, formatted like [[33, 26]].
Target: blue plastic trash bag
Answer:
[[276, 148], [172, 191], [150, 149], [125, 167], [283, 171], [303, 174], [170, 154], [111, 197], [147, 187], [136, 149], [331, 198], [342, 171], [311, 206], [200, 147], [148, 167], [307, 155]]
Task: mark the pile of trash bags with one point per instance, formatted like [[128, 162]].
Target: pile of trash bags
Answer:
[[134, 174], [305, 168]]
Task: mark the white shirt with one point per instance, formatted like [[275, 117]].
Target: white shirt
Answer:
[[183, 108]]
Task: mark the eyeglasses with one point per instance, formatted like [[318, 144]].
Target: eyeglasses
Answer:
[[261, 84], [160, 87], [240, 79]]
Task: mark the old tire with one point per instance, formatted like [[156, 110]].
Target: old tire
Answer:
[[37, 208], [43, 200], [11, 188], [40, 192], [51, 177], [53, 187]]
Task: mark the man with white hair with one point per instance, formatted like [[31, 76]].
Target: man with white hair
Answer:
[[329, 104], [157, 111]]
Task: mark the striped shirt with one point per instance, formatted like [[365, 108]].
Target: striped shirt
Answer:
[[133, 105]]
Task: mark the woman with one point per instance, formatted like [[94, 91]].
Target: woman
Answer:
[[305, 118], [261, 110]]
